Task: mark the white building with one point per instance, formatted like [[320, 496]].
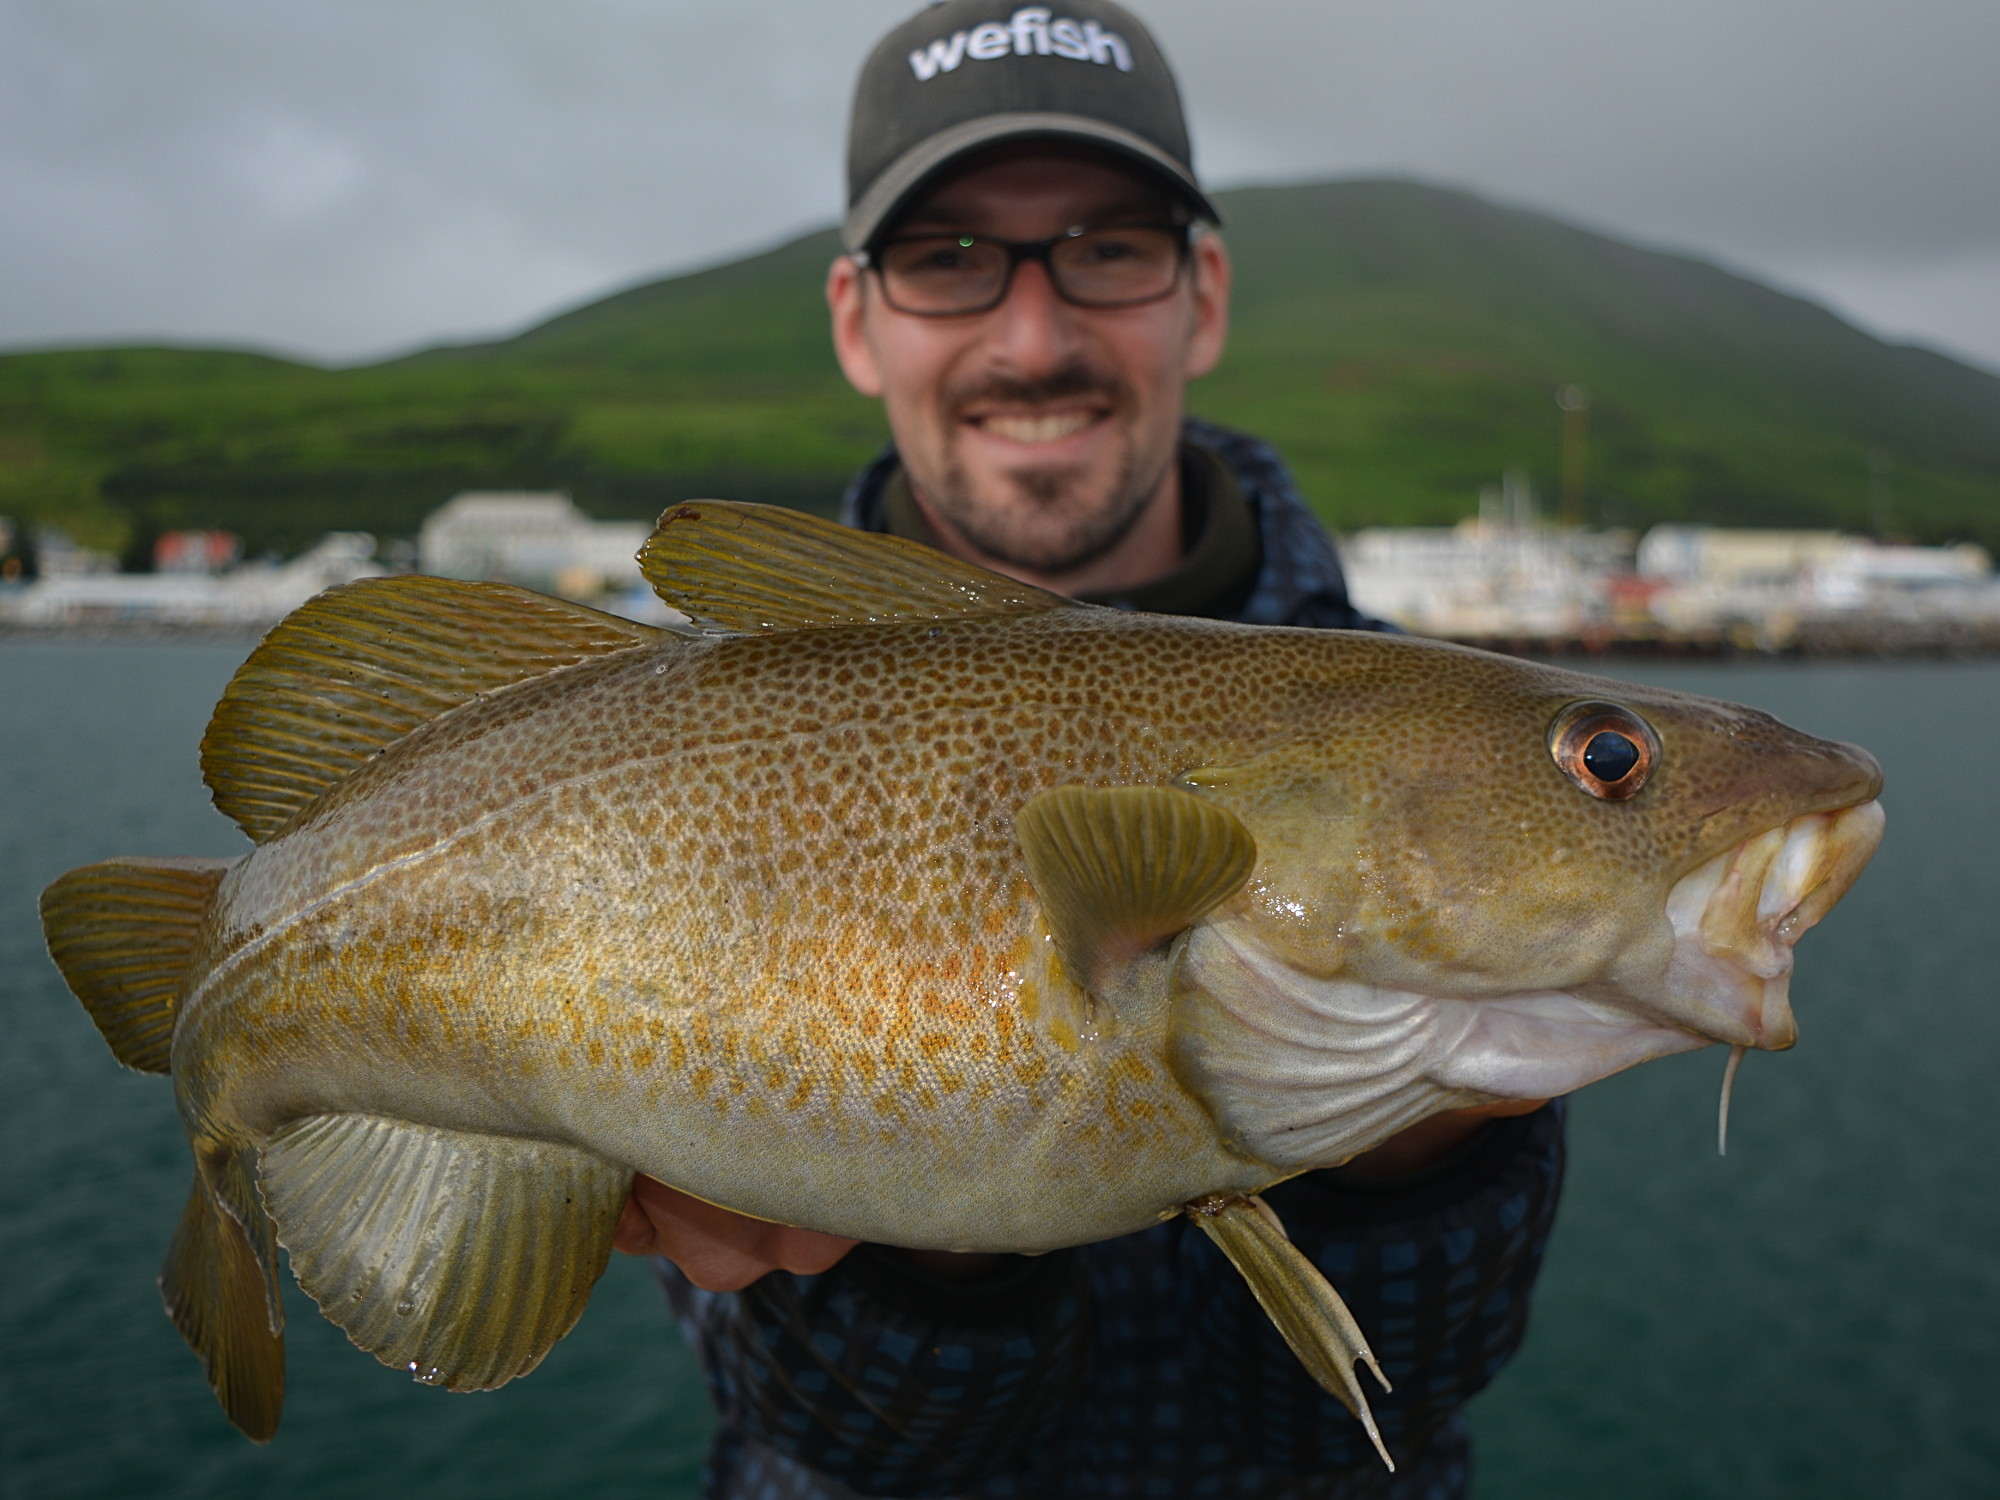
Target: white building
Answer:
[[538, 540], [56, 556], [1718, 577], [1499, 574], [249, 597], [1477, 580]]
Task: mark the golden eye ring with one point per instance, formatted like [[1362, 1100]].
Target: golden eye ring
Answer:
[[1607, 751]]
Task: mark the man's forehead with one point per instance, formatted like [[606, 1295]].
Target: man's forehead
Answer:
[[1075, 184]]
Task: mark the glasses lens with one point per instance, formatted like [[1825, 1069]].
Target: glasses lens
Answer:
[[949, 273], [1107, 267]]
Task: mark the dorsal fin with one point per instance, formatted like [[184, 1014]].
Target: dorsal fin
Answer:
[[1119, 870], [738, 568], [361, 665]]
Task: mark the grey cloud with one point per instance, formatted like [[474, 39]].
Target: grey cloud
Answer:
[[352, 177], [347, 177], [1770, 126]]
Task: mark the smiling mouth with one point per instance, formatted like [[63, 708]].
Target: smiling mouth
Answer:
[[1037, 427]]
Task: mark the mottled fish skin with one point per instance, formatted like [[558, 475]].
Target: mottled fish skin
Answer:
[[749, 914], [896, 899]]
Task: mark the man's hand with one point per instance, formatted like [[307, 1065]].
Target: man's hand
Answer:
[[1432, 1140], [717, 1250]]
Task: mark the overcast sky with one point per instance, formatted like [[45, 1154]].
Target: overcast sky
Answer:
[[346, 178]]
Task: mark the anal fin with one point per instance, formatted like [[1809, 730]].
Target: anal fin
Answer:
[[215, 1292], [1305, 1308], [233, 1181], [460, 1258]]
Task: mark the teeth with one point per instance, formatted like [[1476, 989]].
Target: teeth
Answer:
[[1039, 429], [1737, 917], [1793, 873], [1846, 846], [1730, 925]]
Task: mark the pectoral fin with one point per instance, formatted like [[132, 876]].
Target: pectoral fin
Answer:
[[461, 1258], [1119, 870], [1308, 1312]]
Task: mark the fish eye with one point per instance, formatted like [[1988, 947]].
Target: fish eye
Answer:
[[1608, 751], [1610, 756]]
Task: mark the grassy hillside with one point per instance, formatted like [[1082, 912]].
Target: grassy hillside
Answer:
[[1406, 343], [1402, 343]]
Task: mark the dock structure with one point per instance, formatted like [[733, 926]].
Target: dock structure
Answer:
[[1506, 581]]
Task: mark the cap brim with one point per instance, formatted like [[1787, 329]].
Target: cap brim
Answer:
[[896, 184]]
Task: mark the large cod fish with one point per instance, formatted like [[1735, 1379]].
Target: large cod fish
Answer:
[[899, 900]]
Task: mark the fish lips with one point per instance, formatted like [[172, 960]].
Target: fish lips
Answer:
[[1736, 918]]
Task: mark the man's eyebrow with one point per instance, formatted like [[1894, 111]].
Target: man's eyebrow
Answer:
[[1151, 209]]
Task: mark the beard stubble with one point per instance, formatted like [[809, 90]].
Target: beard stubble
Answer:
[[1049, 520]]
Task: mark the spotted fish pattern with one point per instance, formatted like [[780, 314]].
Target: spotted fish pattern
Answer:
[[901, 901]]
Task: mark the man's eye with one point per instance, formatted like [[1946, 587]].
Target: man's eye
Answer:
[[939, 257]]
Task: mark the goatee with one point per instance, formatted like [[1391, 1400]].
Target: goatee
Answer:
[[1052, 520]]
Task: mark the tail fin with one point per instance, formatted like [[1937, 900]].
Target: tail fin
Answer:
[[215, 1292], [122, 933]]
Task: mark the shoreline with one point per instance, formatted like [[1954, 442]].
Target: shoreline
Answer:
[[1868, 638]]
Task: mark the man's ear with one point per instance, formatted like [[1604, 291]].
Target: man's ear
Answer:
[[1211, 305], [847, 299]]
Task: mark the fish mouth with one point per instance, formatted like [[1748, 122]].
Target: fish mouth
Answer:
[[1305, 1071], [1736, 919]]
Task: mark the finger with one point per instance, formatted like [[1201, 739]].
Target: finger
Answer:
[[717, 1249], [807, 1252], [634, 1234]]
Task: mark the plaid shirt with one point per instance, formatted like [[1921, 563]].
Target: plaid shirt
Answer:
[[1142, 1366]]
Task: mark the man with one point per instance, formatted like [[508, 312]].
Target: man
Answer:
[[1030, 283]]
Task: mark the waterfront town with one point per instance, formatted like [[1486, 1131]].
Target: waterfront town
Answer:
[[1504, 578]]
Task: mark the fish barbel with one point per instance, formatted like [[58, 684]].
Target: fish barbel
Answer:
[[902, 901]]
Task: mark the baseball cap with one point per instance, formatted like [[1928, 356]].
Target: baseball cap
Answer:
[[963, 75]]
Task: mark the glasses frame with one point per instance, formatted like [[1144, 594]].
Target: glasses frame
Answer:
[[1042, 251]]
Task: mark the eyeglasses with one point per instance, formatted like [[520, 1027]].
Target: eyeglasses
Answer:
[[952, 275]]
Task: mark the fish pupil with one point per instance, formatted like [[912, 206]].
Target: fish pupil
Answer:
[[1610, 756]]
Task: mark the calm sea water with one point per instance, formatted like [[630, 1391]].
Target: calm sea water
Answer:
[[1814, 1316]]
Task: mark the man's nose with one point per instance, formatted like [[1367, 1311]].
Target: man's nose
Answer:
[[1034, 330]]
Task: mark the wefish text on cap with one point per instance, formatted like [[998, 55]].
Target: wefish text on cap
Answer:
[[1029, 29]]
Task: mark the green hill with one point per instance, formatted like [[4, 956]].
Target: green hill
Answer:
[[1402, 343]]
